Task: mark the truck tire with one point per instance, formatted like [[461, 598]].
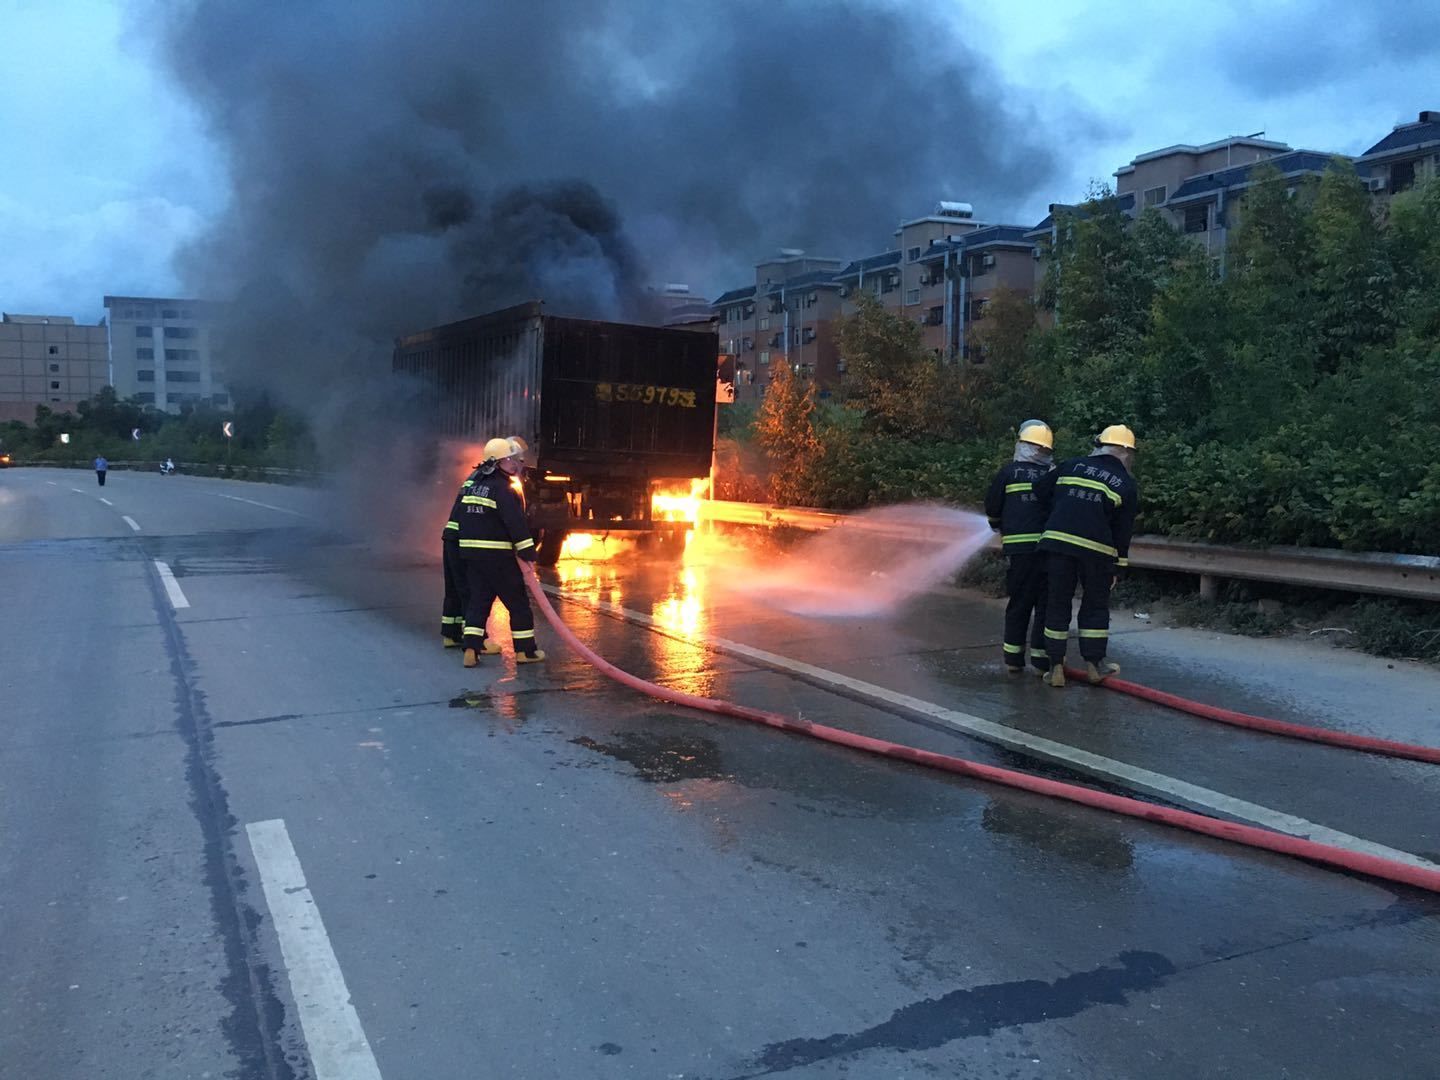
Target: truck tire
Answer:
[[551, 543]]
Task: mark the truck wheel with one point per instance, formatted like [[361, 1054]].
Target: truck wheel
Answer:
[[552, 542]]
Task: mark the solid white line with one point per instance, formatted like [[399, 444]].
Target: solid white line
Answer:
[[106, 501], [338, 1047], [252, 502], [1131, 776], [177, 598], [130, 521]]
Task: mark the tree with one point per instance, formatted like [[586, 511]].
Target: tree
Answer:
[[895, 383], [1013, 383], [785, 430], [1354, 285]]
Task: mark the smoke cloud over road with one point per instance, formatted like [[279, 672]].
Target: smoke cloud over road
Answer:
[[398, 165]]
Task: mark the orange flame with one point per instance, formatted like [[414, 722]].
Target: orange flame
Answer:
[[682, 504]]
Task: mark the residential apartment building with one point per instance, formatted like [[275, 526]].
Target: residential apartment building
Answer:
[[1409, 155], [161, 352], [49, 360], [778, 319], [962, 274]]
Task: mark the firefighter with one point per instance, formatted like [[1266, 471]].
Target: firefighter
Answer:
[[452, 611], [492, 534], [1016, 513], [1091, 504]]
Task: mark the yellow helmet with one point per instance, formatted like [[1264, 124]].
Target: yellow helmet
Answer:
[[1117, 435], [521, 446], [1037, 432], [499, 450]]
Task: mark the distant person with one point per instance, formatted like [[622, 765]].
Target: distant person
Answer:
[[167, 467], [493, 533], [1016, 513], [1091, 504], [101, 468]]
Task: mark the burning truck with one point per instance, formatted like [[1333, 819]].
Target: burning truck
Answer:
[[619, 418]]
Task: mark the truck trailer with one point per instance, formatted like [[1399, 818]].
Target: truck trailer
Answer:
[[612, 412]]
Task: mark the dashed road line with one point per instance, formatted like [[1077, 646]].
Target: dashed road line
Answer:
[[52, 483], [106, 501], [130, 521], [252, 502], [172, 587], [1131, 776], [338, 1047], [77, 491]]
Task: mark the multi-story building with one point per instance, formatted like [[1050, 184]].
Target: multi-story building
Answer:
[[49, 360], [767, 322], [161, 352], [963, 273], [1407, 156]]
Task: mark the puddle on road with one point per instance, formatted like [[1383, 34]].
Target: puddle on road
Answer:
[[662, 759], [1072, 840]]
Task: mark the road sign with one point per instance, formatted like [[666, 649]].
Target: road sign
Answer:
[[229, 428], [135, 434], [65, 438]]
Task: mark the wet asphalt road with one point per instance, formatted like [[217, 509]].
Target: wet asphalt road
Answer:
[[534, 873]]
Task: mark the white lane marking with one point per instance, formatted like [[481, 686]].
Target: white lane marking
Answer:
[[338, 1047], [172, 587], [106, 501], [1131, 776], [252, 502], [77, 491], [52, 483], [130, 521]]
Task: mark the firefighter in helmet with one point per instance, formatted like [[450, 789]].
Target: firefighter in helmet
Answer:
[[1091, 503], [492, 534], [1016, 513]]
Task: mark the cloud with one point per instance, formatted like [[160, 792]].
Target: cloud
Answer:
[[58, 261]]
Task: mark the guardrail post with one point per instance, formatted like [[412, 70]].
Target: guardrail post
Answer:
[[1207, 588]]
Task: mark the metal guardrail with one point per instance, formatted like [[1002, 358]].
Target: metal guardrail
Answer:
[[191, 468], [1415, 577]]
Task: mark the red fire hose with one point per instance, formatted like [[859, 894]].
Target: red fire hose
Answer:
[[1261, 723], [1371, 865]]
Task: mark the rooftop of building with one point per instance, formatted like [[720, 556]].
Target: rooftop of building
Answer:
[[52, 320], [1195, 150], [1409, 136], [812, 280], [869, 263], [1126, 203], [734, 295], [1295, 163], [990, 236]]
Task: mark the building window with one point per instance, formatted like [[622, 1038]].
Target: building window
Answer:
[[912, 254], [912, 296], [1155, 196], [144, 354], [807, 335], [54, 367], [54, 385], [170, 313], [977, 309], [749, 312], [183, 376], [765, 356], [180, 331], [1402, 176], [180, 356], [765, 323], [54, 350], [146, 397], [145, 375], [747, 344], [1197, 219], [935, 316], [144, 331]]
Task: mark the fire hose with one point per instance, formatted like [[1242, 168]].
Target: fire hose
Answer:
[[1249, 835], [1260, 723]]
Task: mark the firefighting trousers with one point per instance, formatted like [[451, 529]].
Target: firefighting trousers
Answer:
[[491, 575], [1092, 573], [452, 613], [1025, 613]]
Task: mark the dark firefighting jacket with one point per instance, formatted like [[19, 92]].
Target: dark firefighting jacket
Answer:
[[451, 532], [490, 516], [1091, 503], [1013, 507]]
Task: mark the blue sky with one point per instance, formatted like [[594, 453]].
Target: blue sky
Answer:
[[105, 169]]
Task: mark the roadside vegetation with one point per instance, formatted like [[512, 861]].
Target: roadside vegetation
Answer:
[[266, 436], [1291, 401]]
